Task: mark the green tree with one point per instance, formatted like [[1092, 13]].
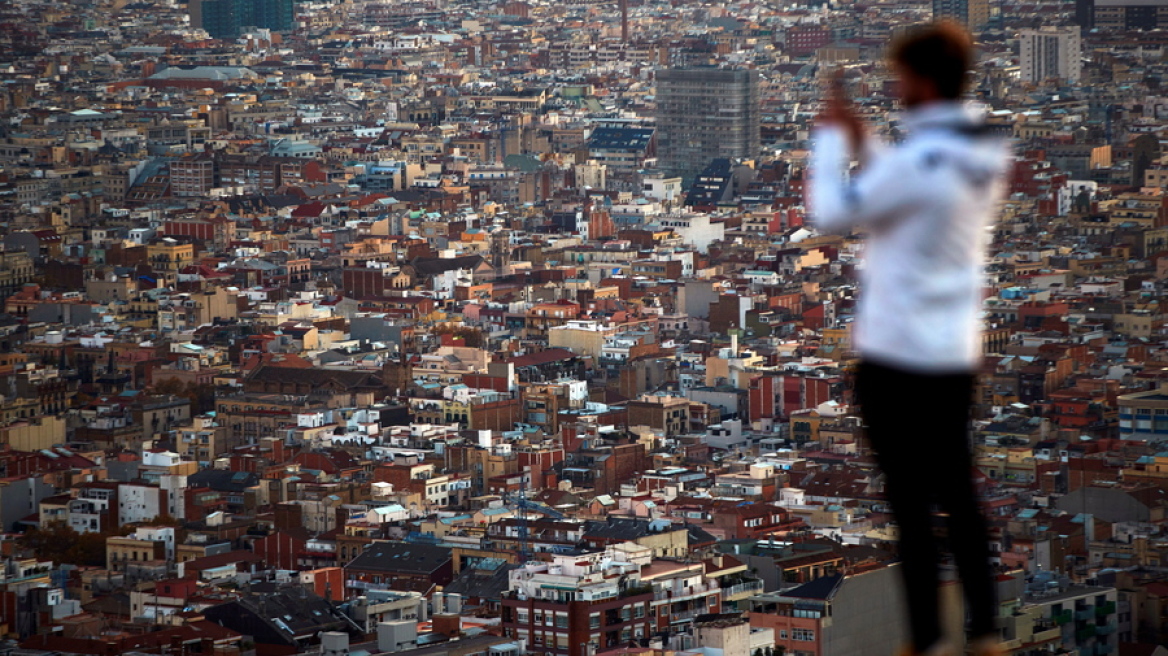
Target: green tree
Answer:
[[202, 397], [472, 337], [61, 544], [171, 386]]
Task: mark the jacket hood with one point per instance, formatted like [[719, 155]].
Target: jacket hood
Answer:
[[946, 114]]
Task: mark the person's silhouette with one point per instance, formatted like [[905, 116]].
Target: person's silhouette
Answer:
[[926, 204]]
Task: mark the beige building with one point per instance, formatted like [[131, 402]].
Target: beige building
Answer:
[[669, 414], [1156, 177], [733, 637], [1139, 323], [34, 434], [122, 550], [581, 337], [15, 270], [162, 413], [110, 288], [448, 364], [732, 368], [187, 311], [168, 256]]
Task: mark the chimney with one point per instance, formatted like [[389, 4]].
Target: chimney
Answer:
[[288, 516], [447, 624], [624, 11]]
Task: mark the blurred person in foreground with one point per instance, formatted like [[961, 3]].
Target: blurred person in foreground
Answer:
[[926, 205]]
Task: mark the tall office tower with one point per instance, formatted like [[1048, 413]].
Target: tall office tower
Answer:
[[226, 19], [1050, 52], [217, 17], [1124, 15], [704, 114], [1085, 14], [973, 14], [275, 15]]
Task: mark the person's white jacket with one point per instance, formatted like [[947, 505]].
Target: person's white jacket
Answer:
[[925, 204]]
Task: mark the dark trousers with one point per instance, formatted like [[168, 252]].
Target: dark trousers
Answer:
[[918, 426]]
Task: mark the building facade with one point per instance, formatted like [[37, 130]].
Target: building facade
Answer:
[[1144, 415], [823, 617], [704, 114], [226, 19], [1121, 15], [1050, 53], [575, 606], [974, 14]]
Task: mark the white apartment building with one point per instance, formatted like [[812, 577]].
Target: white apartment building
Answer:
[[1050, 52]]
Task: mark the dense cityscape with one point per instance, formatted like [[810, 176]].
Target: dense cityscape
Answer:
[[501, 328]]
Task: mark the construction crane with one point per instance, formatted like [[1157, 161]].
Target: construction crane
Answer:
[[521, 508], [522, 505]]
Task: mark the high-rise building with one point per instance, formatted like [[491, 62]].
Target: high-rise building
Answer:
[[1050, 53], [1121, 15], [1085, 14], [973, 14], [217, 17], [704, 114], [226, 19], [275, 15]]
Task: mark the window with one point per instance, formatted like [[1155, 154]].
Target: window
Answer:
[[806, 635]]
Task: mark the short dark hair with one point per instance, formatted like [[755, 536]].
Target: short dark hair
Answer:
[[941, 52]]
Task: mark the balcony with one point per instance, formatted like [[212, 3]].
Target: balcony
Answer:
[[364, 585], [1047, 635], [1062, 617], [748, 588], [1082, 615], [1103, 610], [687, 615], [1085, 632], [1102, 649], [680, 592], [1104, 629], [635, 590], [1010, 646]]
